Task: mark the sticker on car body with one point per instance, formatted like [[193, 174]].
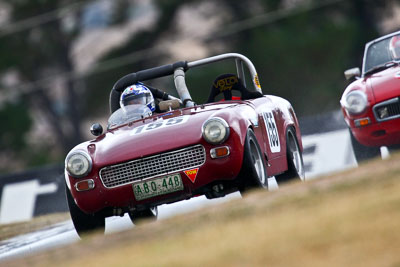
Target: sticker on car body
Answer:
[[192, 174], [161, 123], [272, 131]]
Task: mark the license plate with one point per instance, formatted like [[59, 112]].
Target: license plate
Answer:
[[158, 186]]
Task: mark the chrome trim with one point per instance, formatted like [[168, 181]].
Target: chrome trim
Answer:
[[345, 104], [213, 154], [385, 103], [373, 42], [357, 122], [91, 186], [223, 122], [153, 166], [86, 155]]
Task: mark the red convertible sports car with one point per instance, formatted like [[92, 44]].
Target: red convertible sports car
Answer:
[[371, 104], [182, 149]]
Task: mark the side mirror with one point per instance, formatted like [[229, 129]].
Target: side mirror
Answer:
[[354, 72], [169, 105], [96, 129]]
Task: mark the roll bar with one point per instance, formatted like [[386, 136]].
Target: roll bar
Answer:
[[239, 59], [178, 69]]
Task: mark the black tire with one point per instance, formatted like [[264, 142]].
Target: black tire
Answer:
[[147, 214], [361, 152], [253, 173], [84, 223], [294, 159]]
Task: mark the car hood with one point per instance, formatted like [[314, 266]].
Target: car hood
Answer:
[[163, 132], [385, 84]]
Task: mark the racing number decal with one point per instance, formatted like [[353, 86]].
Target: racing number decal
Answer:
[[160, 124], [272, 131]]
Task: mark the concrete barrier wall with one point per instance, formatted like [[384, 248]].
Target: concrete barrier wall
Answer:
[[32, 193]]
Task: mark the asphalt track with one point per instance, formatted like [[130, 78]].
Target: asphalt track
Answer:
[[324, 153]]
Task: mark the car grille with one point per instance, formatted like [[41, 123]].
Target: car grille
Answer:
[[387, 110], [161, 164]]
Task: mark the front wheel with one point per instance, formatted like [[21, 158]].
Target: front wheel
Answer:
[[361, 152], [83, 222], [253, 172], [149, 214], [294, 159]]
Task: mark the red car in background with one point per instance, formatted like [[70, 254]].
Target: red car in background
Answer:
[[371, 104], [183, 150]]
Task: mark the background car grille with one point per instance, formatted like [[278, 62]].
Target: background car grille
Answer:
[[387, 110], [160, 164]]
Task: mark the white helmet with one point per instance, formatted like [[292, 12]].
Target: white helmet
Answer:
[[137, 94]]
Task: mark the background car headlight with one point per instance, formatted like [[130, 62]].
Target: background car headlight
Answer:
[[78, 164], [215, 130], [355, 102]]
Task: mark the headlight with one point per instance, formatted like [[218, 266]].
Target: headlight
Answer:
[[215, 130], [78, 164], [355, 102]]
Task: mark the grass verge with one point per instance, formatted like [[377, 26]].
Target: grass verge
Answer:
[[347, 219]]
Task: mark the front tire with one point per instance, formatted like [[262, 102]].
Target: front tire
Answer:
[[294, 159], [361, 152], [148, 214], [84, 223], [253, 172]]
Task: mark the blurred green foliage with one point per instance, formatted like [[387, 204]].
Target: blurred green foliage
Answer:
[[301, 57], [301, 63], [15, 122]]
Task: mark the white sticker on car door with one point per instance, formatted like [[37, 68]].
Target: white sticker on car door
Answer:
[[272, 131]]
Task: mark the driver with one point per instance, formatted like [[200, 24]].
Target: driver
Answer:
[[137, 94], [394, 46]]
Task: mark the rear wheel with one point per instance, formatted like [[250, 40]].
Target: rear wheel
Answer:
[[361, 152], [253, 172], [83, 222], [294, 159], [148, 214]]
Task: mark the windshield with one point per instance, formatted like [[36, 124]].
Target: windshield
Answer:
[[381, 52], [128, 114]]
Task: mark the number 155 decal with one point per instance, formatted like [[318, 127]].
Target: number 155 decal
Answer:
[[272, 131], [160, 124]]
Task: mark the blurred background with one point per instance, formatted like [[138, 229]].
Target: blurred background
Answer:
[[59, 59]]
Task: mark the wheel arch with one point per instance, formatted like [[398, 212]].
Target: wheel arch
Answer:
[[294, 125]]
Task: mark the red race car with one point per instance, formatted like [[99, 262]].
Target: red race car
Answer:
[[172, 149], [371, 104]]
